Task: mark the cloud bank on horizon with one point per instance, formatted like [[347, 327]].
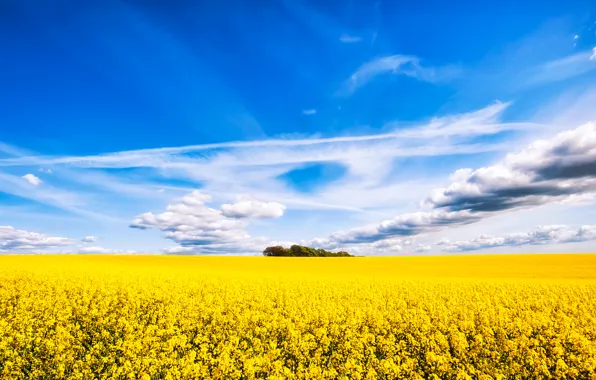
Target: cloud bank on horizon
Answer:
[[329, 134]]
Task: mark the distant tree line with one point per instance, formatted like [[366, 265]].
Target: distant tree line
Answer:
[[301, 251]]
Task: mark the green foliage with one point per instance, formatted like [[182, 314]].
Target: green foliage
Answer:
[[301, 251]]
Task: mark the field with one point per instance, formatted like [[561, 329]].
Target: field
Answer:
[[159, 317]]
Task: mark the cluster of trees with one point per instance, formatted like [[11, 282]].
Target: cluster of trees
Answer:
[[301, 251]]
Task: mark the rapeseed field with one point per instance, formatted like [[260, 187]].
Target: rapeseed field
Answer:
[[159, 317]]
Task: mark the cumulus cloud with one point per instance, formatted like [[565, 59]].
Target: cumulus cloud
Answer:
[[544, 172], [555, 234], [559, 169], [89, 239], [198, 228], [32, 179], [19, 241], [251, 208], [191, 214]]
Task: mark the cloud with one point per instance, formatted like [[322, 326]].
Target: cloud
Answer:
[[400, 142], [390, 245], [366, 186], [547, 171], [70, 201], [90, 239], [257, 167], [422, 248], [190, 214], [593, 56], [311, 111], [544, 172], [21, 241], [385, 247], [73, 201], [250, 208], [103, 251], [348, 39], [561, 69], [411, 224], [32, 179], [396, 64], [198, 228], [541, 235]]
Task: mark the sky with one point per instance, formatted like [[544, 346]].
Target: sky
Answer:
[[380, 128]]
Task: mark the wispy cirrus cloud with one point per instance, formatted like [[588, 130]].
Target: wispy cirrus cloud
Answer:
[[60, 198], [400, 65], [255, 167], [561, 69], [349, 39], [482, 122]]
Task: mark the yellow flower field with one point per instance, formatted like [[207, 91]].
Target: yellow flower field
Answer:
[[159, 317]]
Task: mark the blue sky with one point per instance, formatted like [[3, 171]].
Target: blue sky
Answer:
[[377, 127]]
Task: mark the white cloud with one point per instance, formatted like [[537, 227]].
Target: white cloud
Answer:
[[411, 224], [385, 247], [348, 39], [390, 245], [70, 201], [47, 171], [103, 251], [422, 248], [201, 229], [541, 235], [396, 64], [311, 111], [32, 179], [593, 56], [250, 208], [21, 241], [547, 171], [401, 142], [90, 239], [257, 167], [561, 69]]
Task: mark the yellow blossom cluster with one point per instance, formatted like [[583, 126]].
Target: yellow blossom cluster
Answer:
[[152, 317]]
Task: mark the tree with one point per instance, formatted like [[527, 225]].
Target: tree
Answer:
[[302, 251], [276, 251]]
